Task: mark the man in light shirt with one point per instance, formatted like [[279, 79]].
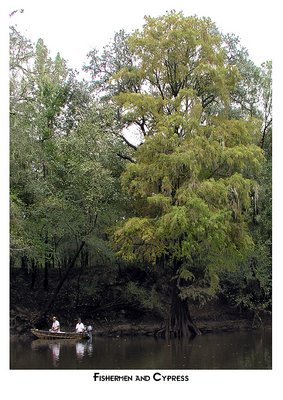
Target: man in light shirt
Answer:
[[55, 325], [80, 326]]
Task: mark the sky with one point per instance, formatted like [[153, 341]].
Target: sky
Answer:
[[74, 28]]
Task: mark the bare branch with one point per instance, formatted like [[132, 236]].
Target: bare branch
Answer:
[[128, 143]]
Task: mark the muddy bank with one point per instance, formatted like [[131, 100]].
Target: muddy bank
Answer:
[[152, 329], [213, 318]]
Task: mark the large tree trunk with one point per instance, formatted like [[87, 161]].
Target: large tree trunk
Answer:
[[180, 323]]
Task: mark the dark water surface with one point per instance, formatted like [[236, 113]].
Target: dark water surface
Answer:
[[237, 350]]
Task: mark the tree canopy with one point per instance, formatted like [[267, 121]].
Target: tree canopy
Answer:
[[63, 164], [196, 169]]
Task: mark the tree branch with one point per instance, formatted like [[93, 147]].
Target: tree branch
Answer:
[[125, 157], [127, 142]]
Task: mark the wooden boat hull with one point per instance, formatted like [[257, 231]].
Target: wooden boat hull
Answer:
[[47, 335]]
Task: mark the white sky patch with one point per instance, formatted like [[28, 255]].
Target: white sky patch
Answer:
[[75, 28]]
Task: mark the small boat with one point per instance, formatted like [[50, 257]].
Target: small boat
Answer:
[[59, 335]]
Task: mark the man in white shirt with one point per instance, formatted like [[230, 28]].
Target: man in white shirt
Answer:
[[55, 326], [80, 326]]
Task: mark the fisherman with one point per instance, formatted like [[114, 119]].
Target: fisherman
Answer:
[[80, 326], [55, 325]]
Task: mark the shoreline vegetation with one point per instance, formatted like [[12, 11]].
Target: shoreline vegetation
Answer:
[[119, 328], [213, 317]]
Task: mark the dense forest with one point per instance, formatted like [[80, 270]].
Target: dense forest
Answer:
[[143, 189]]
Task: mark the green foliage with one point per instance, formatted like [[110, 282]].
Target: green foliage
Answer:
[[115, 57], [195, 170], [143, 299], [250, 287], [63, 157]]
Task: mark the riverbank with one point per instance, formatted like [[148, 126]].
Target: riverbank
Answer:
[[111, 317], [212, 318]]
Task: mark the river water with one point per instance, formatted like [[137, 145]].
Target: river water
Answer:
[[237, 350]]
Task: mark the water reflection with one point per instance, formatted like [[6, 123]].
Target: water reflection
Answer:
[[55, 349], [80, 350], [64, 346], [238, 350]]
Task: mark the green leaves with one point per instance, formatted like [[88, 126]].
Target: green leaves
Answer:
[[193, 176], [137, 240], [63, 157]]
